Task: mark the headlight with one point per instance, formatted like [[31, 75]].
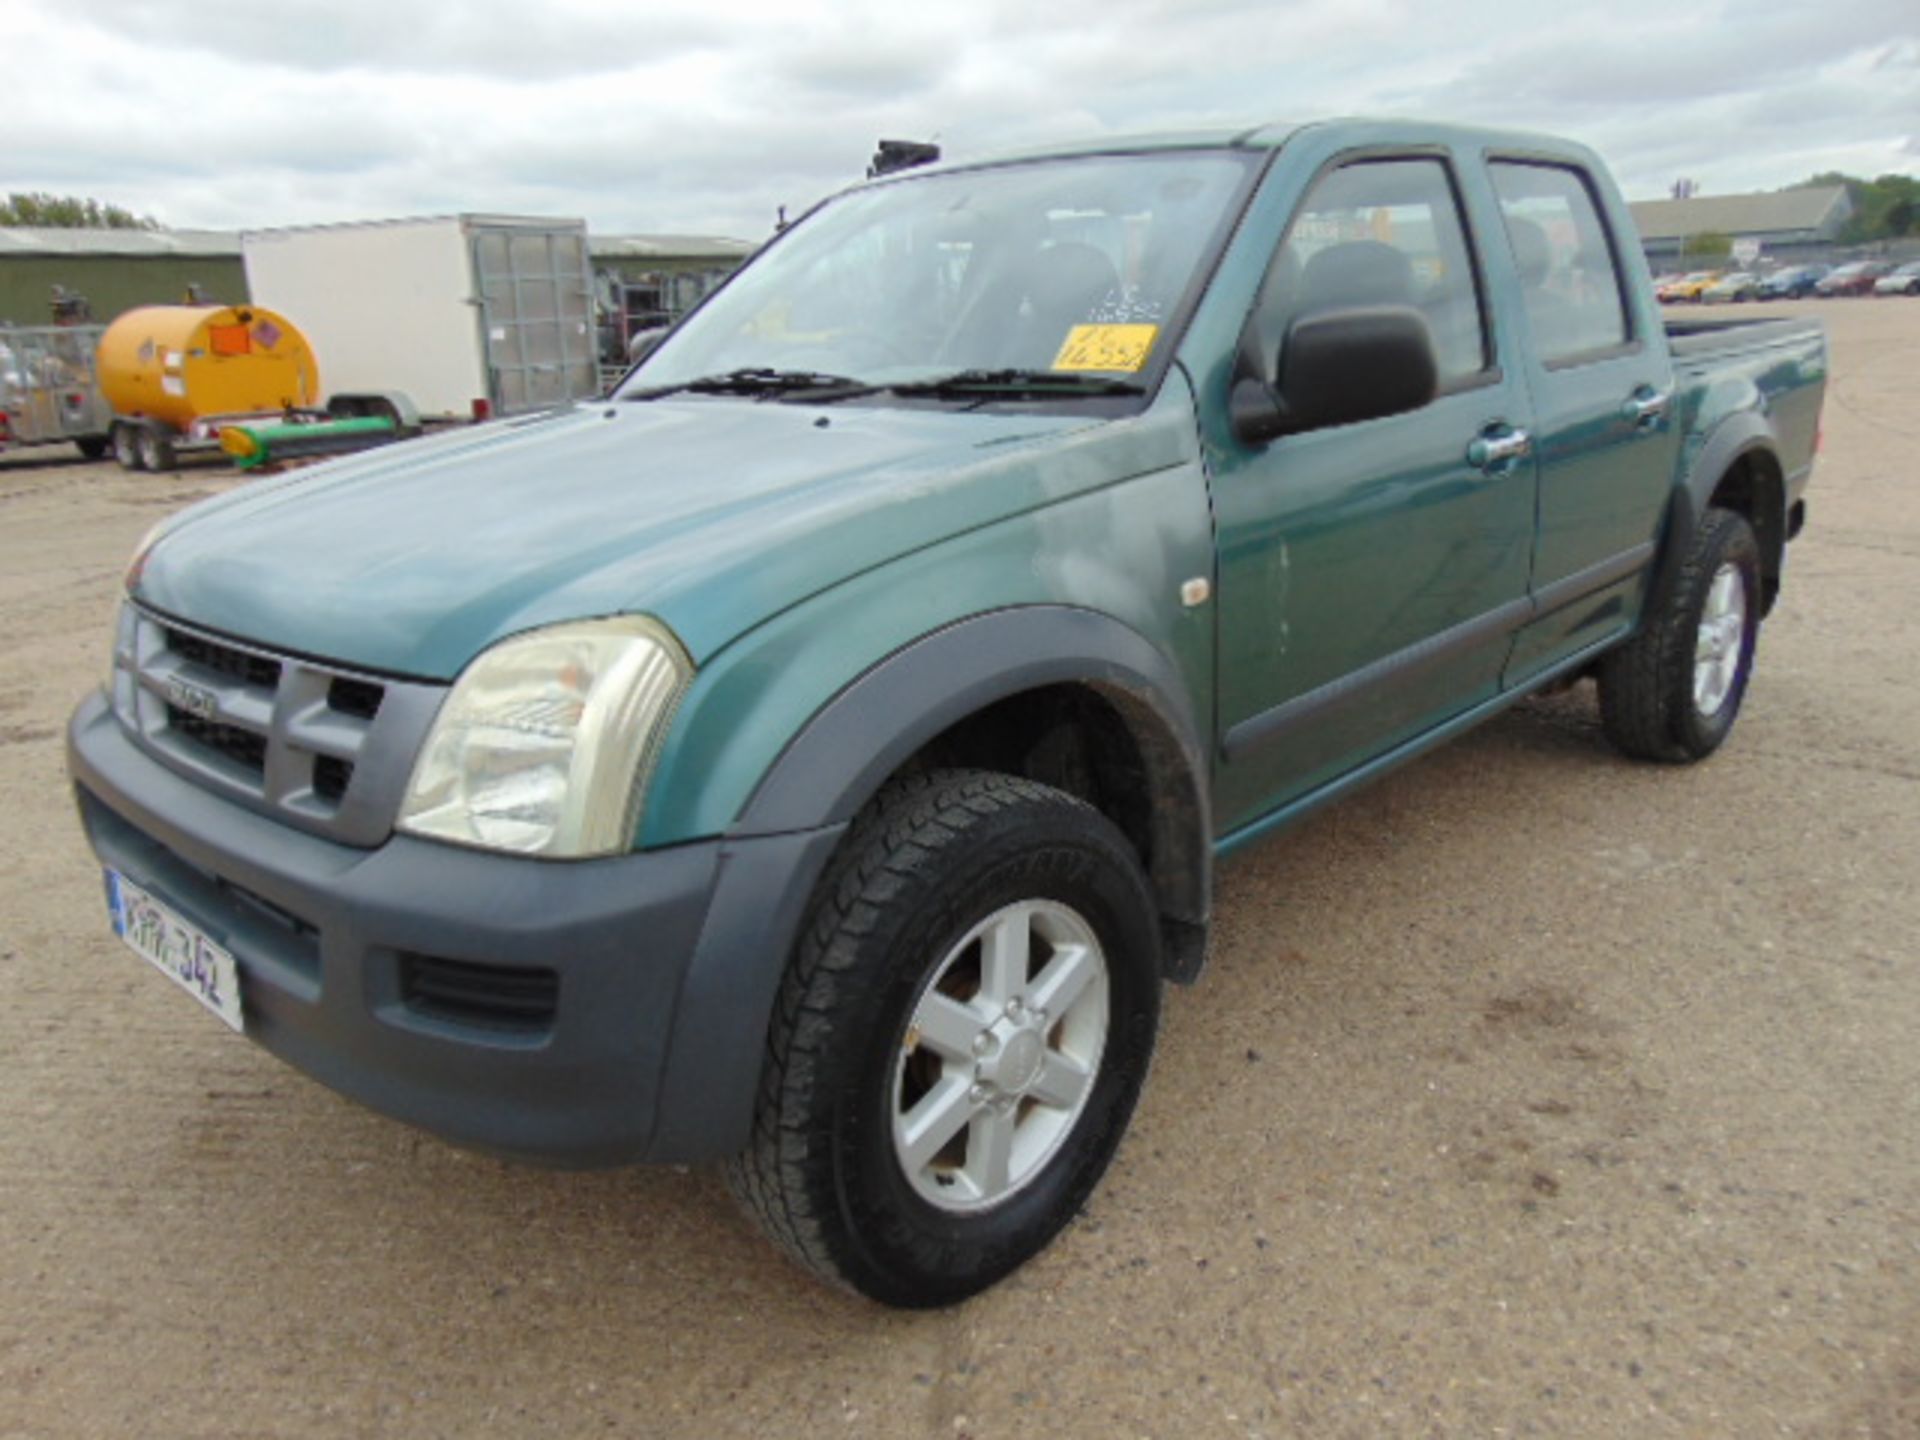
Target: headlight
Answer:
[[545, 745]]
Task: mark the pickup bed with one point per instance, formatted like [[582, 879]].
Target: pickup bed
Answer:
[[815, 756]]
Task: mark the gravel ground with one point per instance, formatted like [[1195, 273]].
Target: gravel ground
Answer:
[[1530, 1092]]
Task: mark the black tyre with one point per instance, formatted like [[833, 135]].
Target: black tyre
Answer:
[[1673, 692], [91, 447], [156, 449], [126, 446], [957, 1047]]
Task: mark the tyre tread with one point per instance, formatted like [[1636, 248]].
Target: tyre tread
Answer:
[[1641, 680], [906, 828]]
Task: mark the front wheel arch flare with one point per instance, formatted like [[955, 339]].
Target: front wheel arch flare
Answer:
[[838, 762]]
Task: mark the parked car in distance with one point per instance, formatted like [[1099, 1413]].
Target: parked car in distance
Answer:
[[1796, 282], [1855, 279], [1904, 281], [1729, 289], [1687, 288]]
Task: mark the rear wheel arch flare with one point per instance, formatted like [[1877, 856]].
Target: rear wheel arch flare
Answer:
[[1753, 487], [1736, 468]]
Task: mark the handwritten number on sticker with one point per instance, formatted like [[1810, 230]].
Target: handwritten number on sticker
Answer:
[[1106, 347]]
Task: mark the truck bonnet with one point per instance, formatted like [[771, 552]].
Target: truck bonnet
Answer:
[[710, 514]]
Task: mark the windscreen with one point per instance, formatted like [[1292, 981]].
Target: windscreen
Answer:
[[1073, 266]]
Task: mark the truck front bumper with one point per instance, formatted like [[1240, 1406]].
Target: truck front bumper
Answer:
[[571, 1012]]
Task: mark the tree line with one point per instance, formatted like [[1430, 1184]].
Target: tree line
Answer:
[[1883, 209], [70, 212]]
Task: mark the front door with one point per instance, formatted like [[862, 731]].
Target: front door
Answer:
[[1371, 576]]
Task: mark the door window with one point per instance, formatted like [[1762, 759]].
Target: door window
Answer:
[[1379, 232], [1565, 261]]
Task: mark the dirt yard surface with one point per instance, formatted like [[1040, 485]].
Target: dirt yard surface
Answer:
[[1530, 1092]]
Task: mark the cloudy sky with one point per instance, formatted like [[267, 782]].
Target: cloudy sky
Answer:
[[702, 117]]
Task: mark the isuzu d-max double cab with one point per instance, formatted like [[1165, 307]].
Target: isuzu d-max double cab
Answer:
[[815, 756]]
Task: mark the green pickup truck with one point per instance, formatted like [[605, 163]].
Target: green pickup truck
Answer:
[[816, 755]]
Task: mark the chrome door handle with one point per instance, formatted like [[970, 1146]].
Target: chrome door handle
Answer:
[[1490, 452], [1646, 407]]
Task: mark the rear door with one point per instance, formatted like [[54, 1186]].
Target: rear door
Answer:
[[1371, 575], [1602, 390]]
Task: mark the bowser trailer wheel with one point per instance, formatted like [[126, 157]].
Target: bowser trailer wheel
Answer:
[[125, 440], [156, 449]]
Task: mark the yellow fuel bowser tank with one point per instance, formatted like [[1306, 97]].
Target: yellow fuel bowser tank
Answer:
[[180, 364]]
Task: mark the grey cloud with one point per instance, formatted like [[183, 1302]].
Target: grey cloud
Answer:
[[497, 38], [204, 146], [707, 119], [1688, 56], [842, 68]]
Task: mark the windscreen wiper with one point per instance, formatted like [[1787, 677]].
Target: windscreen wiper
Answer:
[[1018, 384], [762, 381]]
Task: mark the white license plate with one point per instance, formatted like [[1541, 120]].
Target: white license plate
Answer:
[[176, 948]]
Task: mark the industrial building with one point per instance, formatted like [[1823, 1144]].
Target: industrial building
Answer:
[[684, 267], [120, 269], [115, 269], [1781, 222]]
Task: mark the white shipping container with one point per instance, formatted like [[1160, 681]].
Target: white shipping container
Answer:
[[463, 314]]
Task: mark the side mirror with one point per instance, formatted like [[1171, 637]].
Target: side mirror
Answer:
[[1337, 368]]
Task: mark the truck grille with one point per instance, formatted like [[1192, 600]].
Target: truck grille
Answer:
[[241, 665], [243, 747], [321, 748]]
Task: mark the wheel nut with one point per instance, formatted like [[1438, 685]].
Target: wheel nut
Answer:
[[983, 1044], [980, 1094], [1013, 1008]]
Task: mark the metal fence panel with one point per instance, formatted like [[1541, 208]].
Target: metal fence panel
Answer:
[[537, 304]]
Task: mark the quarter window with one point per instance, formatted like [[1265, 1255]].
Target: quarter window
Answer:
[[1566, 265]]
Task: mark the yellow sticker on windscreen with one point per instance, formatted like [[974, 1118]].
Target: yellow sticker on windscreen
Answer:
[[1106, 347]]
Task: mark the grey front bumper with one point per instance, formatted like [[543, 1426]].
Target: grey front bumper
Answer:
[[662, 964]]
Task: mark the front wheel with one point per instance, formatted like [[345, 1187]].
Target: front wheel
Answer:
[[1673, 691], [959, 1041]]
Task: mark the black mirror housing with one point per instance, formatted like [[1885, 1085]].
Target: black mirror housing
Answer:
[[1255, 412], [1340, 367]]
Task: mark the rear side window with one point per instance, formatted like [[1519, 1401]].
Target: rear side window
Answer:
[[1379, 232], [1575, 304]]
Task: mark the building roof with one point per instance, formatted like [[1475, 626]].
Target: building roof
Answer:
[[225, 244], [52, 240], [669, 247], [1817, 209]]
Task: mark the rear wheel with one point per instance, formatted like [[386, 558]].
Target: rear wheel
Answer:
[[1673, 692], [126, 446], [959, 1041], [156, 449]]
